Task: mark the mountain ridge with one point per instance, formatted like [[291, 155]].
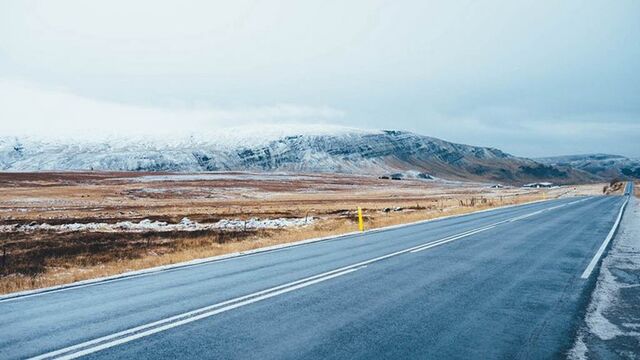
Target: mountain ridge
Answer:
[[606, 166], [346, 150]]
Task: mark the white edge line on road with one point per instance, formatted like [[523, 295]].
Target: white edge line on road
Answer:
[[587, 272], [225, 257], [207, 311]]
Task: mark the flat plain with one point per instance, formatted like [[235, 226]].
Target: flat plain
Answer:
[[68, 249]]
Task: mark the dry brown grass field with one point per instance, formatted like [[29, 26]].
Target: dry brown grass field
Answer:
[[38, 258]]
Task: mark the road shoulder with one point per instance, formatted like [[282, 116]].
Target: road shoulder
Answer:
[[611, 326]]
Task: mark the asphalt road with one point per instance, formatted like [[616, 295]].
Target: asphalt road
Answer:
[[500, 284], [628, 188]]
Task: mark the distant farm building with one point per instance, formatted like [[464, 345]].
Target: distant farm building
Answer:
[[538, 185]]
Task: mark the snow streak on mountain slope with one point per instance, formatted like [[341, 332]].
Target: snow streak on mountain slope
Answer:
[[307, 150]]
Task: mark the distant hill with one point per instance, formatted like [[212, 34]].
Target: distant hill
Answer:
[[342, 150], [605, 166]]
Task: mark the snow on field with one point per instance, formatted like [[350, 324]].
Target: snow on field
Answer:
[[611, 327], [161, 226], [220, 176]]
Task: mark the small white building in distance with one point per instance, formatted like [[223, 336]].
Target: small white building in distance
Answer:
[[538, 185]]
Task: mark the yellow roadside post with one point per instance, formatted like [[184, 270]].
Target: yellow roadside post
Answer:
[[360, 222]]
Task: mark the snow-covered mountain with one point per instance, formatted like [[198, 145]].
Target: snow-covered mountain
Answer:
[[316, 149], [606, 166]]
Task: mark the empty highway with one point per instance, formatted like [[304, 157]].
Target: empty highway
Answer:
[[507, 283]]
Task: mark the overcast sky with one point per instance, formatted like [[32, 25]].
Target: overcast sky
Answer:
[[533, 78]]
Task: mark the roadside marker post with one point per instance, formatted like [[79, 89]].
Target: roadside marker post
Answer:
[[360, 222]]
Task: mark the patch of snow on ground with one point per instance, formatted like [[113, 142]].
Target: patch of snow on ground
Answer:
[[160, 226], [220, 176], [579, 350], [603, 299]]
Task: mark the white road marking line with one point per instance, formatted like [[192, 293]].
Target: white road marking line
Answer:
[[587, 272], [194, 315], [547, 209], [190, 313], [526, 216], [117, 339], [447, 240]]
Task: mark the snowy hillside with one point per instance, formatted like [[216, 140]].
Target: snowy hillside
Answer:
[[310, 149], [602, 165]]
